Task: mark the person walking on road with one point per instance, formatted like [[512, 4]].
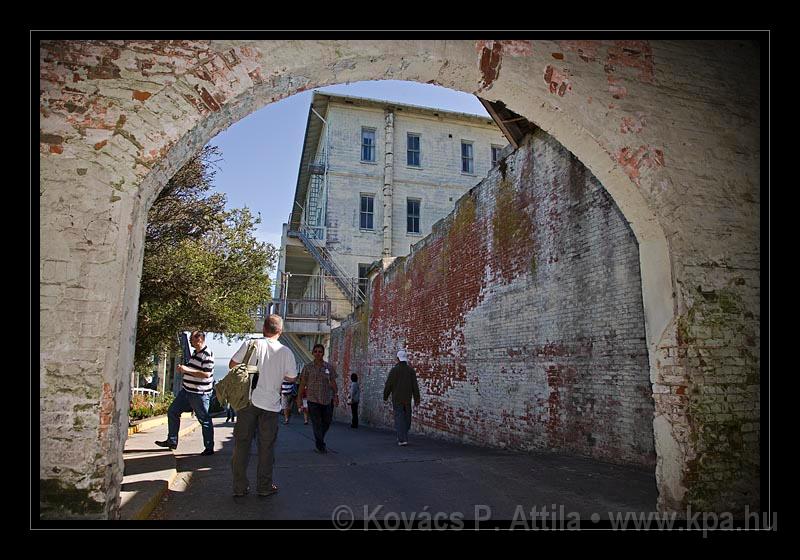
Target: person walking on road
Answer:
[[304, 397], [195, 395], [275, 365], [318, 381], [288, 396], [402, 386], [355, 396]]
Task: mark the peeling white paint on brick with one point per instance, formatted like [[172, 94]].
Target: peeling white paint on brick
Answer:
[[706, 128]]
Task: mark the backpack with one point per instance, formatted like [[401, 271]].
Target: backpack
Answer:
[[234, 388]]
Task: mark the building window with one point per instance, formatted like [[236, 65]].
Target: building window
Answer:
[[367, 144], [413, 150], [363, 279], [466, 157], [412, 205], [367, 211], [495, 154]]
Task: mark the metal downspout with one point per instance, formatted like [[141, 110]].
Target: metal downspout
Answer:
[[388, 183]]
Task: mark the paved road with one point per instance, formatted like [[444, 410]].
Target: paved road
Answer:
[[366, 469]]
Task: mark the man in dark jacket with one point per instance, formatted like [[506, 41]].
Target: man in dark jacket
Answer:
[[402, 385]]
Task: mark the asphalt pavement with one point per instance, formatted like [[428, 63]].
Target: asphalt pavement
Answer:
[[366, 475]]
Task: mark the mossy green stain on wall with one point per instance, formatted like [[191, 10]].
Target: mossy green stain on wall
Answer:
[[361, 329], [507, 221], [716, 425], [463, 221], [424, 274], [721, 444], [464, 216], [752, 367], [60, 500], [82, 407], [683, 330], [512, 231]]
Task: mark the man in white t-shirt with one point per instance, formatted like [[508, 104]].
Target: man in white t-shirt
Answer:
[[275, 364]]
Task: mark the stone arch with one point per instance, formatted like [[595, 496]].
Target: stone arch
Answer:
[[119, 117]]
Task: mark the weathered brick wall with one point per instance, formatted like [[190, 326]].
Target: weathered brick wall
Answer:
[[438, 183], [670, 128], [522, 314]]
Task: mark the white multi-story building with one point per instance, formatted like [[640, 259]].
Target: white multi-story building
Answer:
[[374, 177]]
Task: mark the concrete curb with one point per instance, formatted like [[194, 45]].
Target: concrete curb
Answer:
[[151, 503], [169, 476], [152, 423], [189, 429]]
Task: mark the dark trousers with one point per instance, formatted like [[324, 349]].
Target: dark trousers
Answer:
[[402, 420], [354, 409], [321, 418], [190, 402], [251, 420]]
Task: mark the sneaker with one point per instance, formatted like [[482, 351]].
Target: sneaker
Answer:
[[167, 443], [322, 451], [241, 494], [402, 443], [207, 452], [272, 490]]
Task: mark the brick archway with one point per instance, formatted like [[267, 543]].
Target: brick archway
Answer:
[[117, 118]]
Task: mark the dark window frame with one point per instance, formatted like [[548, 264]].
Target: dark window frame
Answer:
[[366, 215], [468, 160], [411, 152], [496, 149], [366, 148], [363, 279], [411, 218]]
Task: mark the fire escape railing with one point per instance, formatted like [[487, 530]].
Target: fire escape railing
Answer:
[[302, 309], [347, 284]]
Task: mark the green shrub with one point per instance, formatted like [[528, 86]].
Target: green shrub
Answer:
[[146, 406]]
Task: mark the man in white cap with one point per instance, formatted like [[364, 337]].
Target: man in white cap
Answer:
[[402, 385]]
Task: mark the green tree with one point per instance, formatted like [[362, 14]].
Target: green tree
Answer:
[[203, 268]]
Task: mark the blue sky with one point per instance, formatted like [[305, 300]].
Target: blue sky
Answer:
[[261, 153]]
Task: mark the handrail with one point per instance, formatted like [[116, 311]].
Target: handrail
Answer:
[[262, 311], [322, 256], [308, 309], [301, 353]]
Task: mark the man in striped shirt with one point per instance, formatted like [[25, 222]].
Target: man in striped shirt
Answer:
[[198, 381]]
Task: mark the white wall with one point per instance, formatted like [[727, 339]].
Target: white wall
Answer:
[[438, 182]]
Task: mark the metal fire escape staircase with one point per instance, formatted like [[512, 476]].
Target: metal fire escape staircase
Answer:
[[302, 355], [312, 232], [348, 285], [314, 210]]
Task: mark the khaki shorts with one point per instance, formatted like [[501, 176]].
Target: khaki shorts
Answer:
[[286, 401]]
